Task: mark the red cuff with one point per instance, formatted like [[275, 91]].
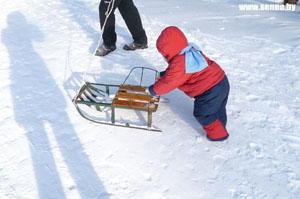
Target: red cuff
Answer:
[[216, 131]]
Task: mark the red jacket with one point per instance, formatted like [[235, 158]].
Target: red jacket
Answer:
[[169, 44]]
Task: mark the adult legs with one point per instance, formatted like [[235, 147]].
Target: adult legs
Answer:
[[133, 21], [109, 34]]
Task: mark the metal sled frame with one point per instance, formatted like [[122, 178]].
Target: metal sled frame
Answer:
[[127, 97]]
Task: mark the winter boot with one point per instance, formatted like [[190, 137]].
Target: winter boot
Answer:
[[104, 50], [134, 46], [216, 131]]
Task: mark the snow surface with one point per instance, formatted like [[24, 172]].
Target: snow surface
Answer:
[[49, 151]]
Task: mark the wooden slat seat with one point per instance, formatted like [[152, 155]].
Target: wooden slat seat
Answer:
[[137, 97], [132, 88], [135, 105]]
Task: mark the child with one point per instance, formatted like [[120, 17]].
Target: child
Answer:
[[198, 77]]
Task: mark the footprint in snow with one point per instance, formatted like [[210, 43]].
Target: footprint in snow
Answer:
[[252, 97], [279, 51]]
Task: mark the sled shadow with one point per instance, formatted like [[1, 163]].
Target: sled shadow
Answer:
[[39, 108]]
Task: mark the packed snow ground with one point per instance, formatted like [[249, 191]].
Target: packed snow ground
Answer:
[[49, 151]]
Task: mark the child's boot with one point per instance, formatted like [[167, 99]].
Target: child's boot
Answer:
[[216, 131]]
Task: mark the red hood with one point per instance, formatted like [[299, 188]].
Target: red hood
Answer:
[[170, 42]]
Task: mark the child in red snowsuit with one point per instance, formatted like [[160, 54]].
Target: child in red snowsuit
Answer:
[[198, 77]]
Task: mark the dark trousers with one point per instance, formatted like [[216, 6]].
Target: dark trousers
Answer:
[[211, 105], [131, 17]]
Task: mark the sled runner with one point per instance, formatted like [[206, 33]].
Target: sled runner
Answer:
[[102, 101]]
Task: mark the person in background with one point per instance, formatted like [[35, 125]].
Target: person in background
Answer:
[[289, 2], [198, 77], [132, 19]]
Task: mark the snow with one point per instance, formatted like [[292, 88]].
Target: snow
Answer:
[[49, 151]]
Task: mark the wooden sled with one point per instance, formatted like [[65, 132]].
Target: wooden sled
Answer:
[[107, 98]]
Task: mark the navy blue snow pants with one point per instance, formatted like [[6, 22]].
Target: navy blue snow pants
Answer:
[[211, 105]]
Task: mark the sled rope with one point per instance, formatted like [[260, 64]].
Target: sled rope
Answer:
[[109, 10]]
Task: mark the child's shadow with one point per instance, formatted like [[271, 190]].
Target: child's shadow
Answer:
[[183, 107]]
